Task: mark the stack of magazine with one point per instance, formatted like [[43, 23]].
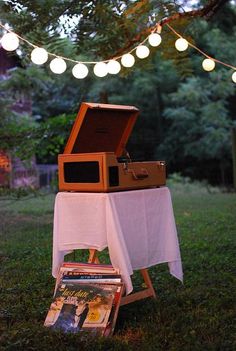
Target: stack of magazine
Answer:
[[86, 298]]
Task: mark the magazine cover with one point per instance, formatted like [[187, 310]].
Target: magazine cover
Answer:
[[82, 307]]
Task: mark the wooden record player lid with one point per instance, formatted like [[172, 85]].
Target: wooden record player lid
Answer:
[[101, 128]]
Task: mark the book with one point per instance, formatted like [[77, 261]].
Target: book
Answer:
[[87, 268], [88, 307], [90, 267], [89, 277], [86, 298]]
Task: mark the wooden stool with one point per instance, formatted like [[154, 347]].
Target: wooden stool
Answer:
[[147, 292]]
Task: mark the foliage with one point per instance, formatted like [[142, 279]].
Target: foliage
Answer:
[[18, 193], [176, 182], [42, 133], [17, 131], [186, 114], [198, 315], [199, 115], [98, 28], [55, 131]]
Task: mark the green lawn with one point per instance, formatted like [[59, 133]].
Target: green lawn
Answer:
[[199, 315]]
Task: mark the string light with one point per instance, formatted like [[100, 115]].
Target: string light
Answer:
[[113, 67], [10, 41], [208, 64], [181, 44], [127, 60], [100, 69], [142, 51], [234, 77], [154, 39], [80, 71], [58, 65], [39, 56]]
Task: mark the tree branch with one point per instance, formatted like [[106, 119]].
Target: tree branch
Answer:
[[206, 12]]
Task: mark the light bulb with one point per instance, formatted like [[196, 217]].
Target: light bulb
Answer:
[[127, 60], [100, 69], [113, 67], [154, 39], [10, 41], [142, 51], [80, 71], [58, 65], [208, 64], [234, 77], [39, 56], [181, 44]]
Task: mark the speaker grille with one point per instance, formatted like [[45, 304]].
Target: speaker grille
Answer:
[[113, 176], [81, 172]]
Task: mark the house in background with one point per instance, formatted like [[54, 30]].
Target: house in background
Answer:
[[13, 172], [5, 169]]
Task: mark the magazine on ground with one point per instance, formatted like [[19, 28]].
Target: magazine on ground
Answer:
[[85, 300]]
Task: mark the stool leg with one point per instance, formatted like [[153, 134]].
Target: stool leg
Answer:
[[148, 281], [147, 292], [93, 256]]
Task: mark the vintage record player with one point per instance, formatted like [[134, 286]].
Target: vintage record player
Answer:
[[94, 159]]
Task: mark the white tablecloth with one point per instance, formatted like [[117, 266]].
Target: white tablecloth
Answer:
[[137, 226]]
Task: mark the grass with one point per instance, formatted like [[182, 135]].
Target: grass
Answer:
[[199, 315]]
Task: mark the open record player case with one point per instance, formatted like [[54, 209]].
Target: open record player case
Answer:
[[92, 162]]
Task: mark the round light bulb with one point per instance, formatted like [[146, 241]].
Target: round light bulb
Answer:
[[39, 56], [234, 77], [181, 44], [10, 41], [100, 69], [154, 39], [80, 71], [127, 60], [142, 51], [58, 65], [208, 64], [113, 67]]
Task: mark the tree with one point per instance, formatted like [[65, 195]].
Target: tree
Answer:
[[100, 28], [200, 114], [107, 28]]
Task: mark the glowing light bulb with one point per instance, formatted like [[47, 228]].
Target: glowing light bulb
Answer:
[[100, 69], [142, 51], [39, 56], [10, 41], [208, 64], [80, 71], [127, 60], [154, 39], [113, 67], [234, 77], [181, 44], [58, 65]]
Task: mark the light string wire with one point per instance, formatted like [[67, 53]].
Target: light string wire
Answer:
[[155, 29], [199, 50]]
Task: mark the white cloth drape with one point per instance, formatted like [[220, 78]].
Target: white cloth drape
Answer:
[[137, 226]]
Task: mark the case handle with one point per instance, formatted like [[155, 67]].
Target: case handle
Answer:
[[139, 176]]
